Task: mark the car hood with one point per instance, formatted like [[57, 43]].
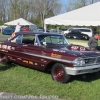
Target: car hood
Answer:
[[76, 50]]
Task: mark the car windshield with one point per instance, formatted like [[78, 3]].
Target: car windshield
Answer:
[[53, 40]]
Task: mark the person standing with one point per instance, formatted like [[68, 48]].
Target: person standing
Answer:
[[93, 42], [17, 29]]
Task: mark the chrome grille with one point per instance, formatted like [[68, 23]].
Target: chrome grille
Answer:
[[90, 60], [98, 60]]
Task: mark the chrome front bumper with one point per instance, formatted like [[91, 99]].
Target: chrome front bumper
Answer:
[[82, 70]]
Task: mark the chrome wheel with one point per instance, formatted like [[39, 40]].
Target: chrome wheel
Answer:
[[59, 73]]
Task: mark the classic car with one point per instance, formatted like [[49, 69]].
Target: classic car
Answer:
[[49, 52]]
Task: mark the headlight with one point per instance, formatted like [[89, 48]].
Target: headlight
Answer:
[[79, 62]]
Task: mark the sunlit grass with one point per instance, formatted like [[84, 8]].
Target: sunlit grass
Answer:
[[81, 42], [25, 81]]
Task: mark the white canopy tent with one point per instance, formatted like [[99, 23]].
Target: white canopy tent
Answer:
[[22, 22], [85, 16]]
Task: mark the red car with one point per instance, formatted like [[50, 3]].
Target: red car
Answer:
[[99, 37], [49, 52]]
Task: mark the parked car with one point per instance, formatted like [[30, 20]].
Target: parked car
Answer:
[[8, 30], [2, 27], [40, 29], [49, 52], [76, 34], [99, 37], [86, 31], [25, 29]]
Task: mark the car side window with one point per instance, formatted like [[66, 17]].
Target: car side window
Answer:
[[75, 31], [28, 39]]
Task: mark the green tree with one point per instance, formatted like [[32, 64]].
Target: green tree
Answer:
[[19, 8], [3, 9], [32, 10], [44, 9]]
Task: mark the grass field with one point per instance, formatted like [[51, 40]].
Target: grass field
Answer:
[[25, 81], [79, 42]]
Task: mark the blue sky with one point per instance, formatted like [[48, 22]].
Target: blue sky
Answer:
[[63, 2]]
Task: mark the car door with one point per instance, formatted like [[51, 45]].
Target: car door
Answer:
[[30, 52]]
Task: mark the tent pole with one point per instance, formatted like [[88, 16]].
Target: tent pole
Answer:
[[57, 29], [45, 27], [99, 29]]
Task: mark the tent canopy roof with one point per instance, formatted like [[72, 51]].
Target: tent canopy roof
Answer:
[[20, 20], [85, 16]]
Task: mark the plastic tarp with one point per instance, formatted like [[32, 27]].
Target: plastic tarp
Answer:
[[85, 16]]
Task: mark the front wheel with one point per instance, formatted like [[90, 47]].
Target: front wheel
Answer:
[[59, 73]]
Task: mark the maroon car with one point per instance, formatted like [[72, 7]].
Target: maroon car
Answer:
[[49, 52]]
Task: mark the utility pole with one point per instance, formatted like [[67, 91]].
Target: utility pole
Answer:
[[92, 1], [42, 19]]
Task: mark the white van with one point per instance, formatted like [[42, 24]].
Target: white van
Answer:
[[86, 31]]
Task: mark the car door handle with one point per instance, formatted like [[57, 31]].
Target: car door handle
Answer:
[[25, 45]]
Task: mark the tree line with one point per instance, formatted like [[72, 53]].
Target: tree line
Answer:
[[37, 10]]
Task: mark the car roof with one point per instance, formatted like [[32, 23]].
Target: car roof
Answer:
[[80, 28], [38, 33]]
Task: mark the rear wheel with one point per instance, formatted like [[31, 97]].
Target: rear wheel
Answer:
[[3, 59], [59, 73]]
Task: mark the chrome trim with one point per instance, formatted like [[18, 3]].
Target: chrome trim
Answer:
[[89, 57], [47, 57], [84, 58], [82, 70], [62, 60]]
